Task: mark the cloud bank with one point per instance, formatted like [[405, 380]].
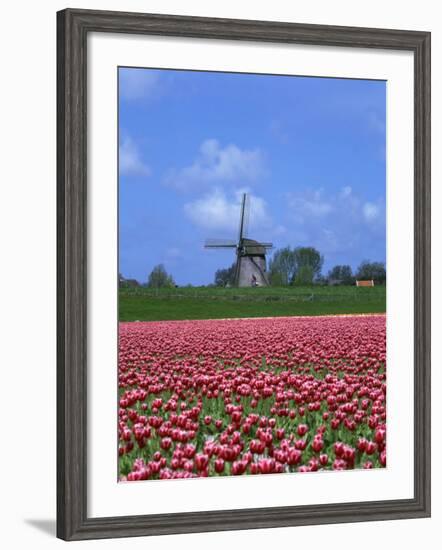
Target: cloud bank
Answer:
[[217, 165], [135, 84], [130, 161]]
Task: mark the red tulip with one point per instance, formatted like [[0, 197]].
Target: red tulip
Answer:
[[293, 457], [379, 435], [339, 464], [323, 459], [349, 454], [317, 444], [166, 443], [201, 461], [301, 444], [189, 450], [257, 446], [239, 467], [383, 458], [266, 465], [302, 429]]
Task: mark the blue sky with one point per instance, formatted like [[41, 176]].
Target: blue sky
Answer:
[[309, 151]]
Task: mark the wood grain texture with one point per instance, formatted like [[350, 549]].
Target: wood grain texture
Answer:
[[72, 29]]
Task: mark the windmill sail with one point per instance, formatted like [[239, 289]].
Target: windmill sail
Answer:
[[219, 243], [241, 219]]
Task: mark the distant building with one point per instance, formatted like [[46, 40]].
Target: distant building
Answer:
[[365, 283], [127, 283]]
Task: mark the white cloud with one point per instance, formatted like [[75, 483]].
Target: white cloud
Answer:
[[130, 162], [370, 211], [340, 223], [137, 83], [215, 165], [309, 204], [215, 211]]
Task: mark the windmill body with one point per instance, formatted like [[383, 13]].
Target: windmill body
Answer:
[[250, 267], [252, 264]]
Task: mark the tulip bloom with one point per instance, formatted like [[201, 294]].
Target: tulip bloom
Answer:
[[300, 444], [239, 467], [266, 465], [166, 443], [317, 444], [293, 457], [219, 465], [201, 461], [257, 446], [371, 447], [302, 429], [323, 459]]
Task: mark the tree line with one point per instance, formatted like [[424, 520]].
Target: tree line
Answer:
[[288, 266], [158, 278], [303, 266]]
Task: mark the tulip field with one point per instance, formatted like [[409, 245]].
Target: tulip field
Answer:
[[251, 396]]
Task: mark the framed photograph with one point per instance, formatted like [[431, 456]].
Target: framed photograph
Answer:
[[243, 274]]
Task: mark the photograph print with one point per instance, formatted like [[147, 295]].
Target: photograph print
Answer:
[[251, 274]]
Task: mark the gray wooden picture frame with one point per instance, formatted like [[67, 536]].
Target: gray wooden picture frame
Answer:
[[73, 27]]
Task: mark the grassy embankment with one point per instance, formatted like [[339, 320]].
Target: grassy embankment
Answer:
[[145, 304]]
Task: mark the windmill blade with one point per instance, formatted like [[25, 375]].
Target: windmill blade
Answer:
[[219, 243], [242, 218], [245, 230]]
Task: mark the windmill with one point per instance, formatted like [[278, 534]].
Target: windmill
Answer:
[[250, 267]]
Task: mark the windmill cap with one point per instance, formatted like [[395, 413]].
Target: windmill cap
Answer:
[[253, 248]]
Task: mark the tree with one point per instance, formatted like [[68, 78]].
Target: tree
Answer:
[[304, 276], [282, 267], [287, 263], [372, 270], [308, 257], [159, 278], [224, 277], [276, 278], [341, 274], [321, 280]]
